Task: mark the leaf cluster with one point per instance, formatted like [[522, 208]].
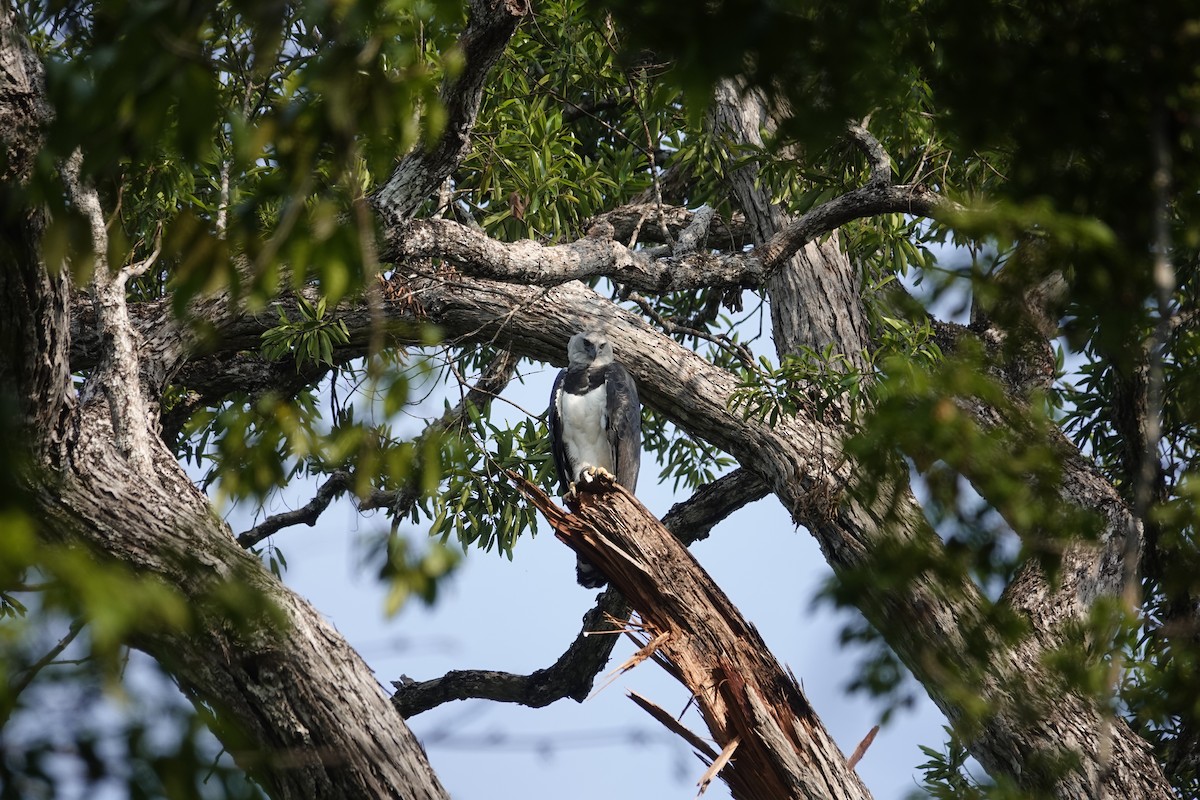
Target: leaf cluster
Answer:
[[477, 503], [311, 338]]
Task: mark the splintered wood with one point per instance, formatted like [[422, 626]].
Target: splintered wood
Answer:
[[772, 745]]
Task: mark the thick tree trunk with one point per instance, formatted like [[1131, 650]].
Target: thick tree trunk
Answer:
[[305, 715], [816, 300], [816, 295], [299, 709]]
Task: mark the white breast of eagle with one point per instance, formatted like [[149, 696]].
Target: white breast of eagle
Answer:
[[585, 430]]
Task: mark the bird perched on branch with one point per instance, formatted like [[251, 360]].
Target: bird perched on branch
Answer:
[[595, 421]]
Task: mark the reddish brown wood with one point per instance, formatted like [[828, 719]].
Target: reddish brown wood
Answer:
[[744, 695]]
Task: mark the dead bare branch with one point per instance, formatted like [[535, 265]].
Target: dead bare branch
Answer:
[[308, 514]]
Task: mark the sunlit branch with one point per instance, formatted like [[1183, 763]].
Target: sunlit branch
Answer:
[[119, 378], [602, 253]]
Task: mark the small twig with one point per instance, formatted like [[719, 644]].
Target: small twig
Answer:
[[490, 385], [739, 351], [222, 221], [649, 150], [637, 229], [29, 587], [445, 197], [31, 672], [139, 269]]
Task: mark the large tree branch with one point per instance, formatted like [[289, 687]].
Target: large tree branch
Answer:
[[692, 520], [419, 174], [574, 673], [117, 380], [302, 711], [530, 262]]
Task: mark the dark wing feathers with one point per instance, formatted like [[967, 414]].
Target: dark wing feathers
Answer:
[[624, 425], [556, 435]]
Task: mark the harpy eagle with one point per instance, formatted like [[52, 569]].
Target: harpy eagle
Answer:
[[595, 421]]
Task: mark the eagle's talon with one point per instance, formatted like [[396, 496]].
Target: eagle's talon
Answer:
[[590, 474]]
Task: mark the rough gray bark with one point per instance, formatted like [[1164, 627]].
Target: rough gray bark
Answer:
[[816, 294], [304, 713]]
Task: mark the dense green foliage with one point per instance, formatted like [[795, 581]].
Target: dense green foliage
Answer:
[[244, 137]]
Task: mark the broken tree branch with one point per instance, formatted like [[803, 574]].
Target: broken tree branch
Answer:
[[574, 673], [744, 695]]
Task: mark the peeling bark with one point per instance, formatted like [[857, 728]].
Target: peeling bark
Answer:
[[775, 744]]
